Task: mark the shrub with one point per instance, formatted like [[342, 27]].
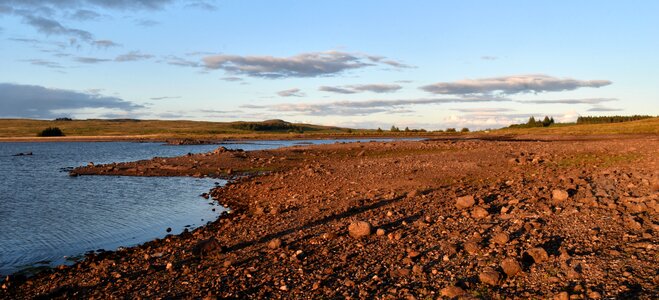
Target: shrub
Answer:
[[51, 131], [450, 130], [464, 129]]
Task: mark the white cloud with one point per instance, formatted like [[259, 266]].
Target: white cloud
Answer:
[[312, 64], [291, 93], [508, 85]]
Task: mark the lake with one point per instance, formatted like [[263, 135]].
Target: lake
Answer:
[[49, 218]]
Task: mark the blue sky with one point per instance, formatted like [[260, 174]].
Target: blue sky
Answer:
[[422, 64]]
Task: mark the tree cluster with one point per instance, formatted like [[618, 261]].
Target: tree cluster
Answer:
[[546, 122], [610, 119]]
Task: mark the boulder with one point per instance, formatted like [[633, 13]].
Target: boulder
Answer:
[[511, 267], [490, 277], [452, 292], [559, 195], [359, 229], [538, 254], [465, 202]]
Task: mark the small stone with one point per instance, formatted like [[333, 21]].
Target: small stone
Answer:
[[283, 288], [465, 202], [329, 235], [511, 267], [274, 243], [479, 212], [380, 232], [655, 184], [452, 292], [559, 195], [359, 229], [594, 295], [562, 296], [490, 277], [471, 248], [501, 238], [169, 266], [538, 254]]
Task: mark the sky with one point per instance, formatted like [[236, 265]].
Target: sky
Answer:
[[361, 64]]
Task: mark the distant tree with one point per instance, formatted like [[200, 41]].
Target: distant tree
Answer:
[[349, 130], [551, 120], [63, 119], [379, 129], [407, 129], [546, 122], [465, 129], [394, 129], [531, 121], [51, 131], [450, 130]]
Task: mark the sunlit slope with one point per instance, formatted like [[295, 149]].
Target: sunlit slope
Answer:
[[633, 127]]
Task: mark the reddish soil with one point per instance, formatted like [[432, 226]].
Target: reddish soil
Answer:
[[417, 220]]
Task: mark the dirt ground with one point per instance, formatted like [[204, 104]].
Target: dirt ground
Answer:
[[566, 219]]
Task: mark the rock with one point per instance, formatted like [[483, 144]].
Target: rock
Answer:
[[490, 277], [329, 235], [479, 212], [380, 232], [471, 248], [275, 243], [538, 254], [452, 292], [511, 267], [501, 238], [465, 202], [655, 184], [559, 195], [359, 229], [562, 296], [206, 248], [594, 295]]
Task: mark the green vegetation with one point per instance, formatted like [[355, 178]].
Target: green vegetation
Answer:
[[546, 122], [610, 119], [202, 130], [451, 130], [51, 131], [644, 126], [275, 125], [464, 129]]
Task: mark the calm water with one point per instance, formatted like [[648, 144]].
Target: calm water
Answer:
[[48, 218]]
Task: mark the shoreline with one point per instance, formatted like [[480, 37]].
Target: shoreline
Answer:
[[296, 216]]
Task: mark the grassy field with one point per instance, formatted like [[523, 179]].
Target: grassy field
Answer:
[[161, 130], [647, 126]]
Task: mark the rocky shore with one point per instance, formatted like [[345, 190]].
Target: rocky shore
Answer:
[[397, 220]]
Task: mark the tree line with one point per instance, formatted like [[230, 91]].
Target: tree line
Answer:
[[610, 119]]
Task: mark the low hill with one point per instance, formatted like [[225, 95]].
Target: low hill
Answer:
[[158, 129]]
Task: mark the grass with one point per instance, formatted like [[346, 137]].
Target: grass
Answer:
[[11, 128], [160, 130], [646, 126]]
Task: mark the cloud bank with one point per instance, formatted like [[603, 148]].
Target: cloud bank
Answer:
[[291, 93], [357, 108], [32, 101], [508, 85], [352, 89], [313, 64]]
